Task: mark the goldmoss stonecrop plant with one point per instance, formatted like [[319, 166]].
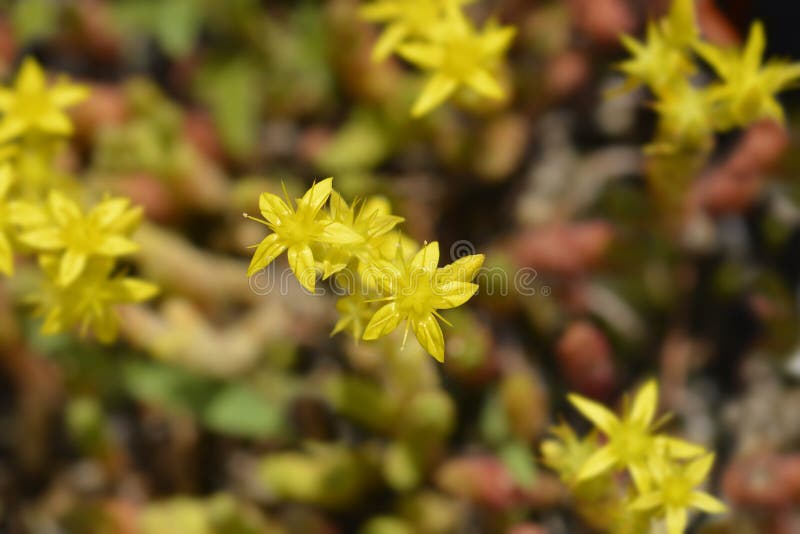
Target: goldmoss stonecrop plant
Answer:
[[387, 278]]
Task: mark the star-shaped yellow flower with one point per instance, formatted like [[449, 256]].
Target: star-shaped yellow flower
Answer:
[[686, 118], [655, 62], [631, 439], [673, 492], [747, 91], [63, 227], [458, 56], [33, 107], [88, 303], [418, 288], [296, 229]]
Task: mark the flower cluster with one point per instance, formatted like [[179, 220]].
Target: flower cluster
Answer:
[[40, 213], [689, 114], [663, 472], [388, 278], [437, 37]]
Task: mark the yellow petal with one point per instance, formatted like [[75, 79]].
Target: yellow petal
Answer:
[[6, 179], [599, 462], [384, 321], [598, 414], [388, 42], [707, 503], [676, 520], [72, 265], [754, 49], [11, 127], [339, 234], [427, 258], [316, 197], [273, 208], [301, 260], [436, 91], [43, 239], [698, 470], [454, 294], [269, 249], [484, 84], [429, 335], [65, 94], [64, 210], [680, 449], [26, 214], [107, 212], [463, 269], [137, 290], [646, 501], [116, 245], [56, 123], [105, 326], [6, 256], [645, 403], [31, 77], [339, 209], [379, 11], [423, 55], [383, 224]]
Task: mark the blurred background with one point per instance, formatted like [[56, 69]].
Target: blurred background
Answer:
[[226, 407]]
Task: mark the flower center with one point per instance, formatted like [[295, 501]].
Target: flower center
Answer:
[[415, 295], [631, 443], [31, 104], [462, 54], [675, 491]]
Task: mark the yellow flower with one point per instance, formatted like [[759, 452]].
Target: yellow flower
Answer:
[[748, 89], [405, 19], [673, 492], [295, 230], [655, 62], [63, 227], [89, 302], [416, 289], [6, 251], [685, 118], [631, 439], [355, 312], [458, 56], [32, 107], [371, 220]]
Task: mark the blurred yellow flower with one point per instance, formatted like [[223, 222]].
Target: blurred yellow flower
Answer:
[[89, 302], [63, 227], [631, 439], [458, 56], [31, 107], [747, 91], [654, 62], [686, 117], [418, 288], [673, 492]]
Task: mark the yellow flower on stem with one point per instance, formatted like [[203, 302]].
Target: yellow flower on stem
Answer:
[[748, 89], [89, 302], [418, 288], [6, 251], [63, 227], [458, 56], [673, 492], [404, 19], [33, 107], [686, 118], [655, 62], [296, 229], [631, 439]]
